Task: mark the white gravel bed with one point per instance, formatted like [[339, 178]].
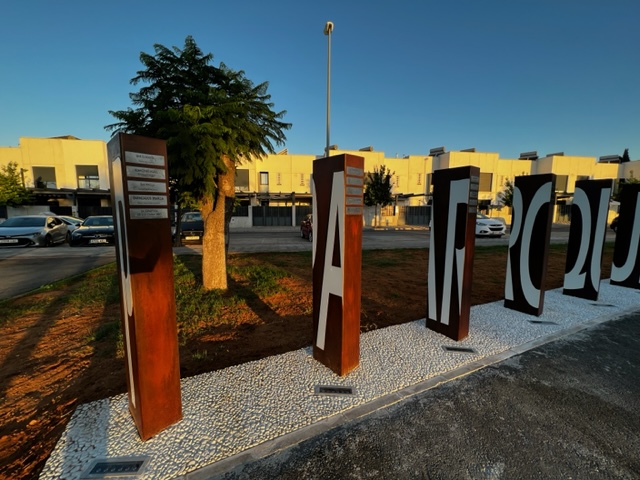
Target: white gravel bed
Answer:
[[229, 411]]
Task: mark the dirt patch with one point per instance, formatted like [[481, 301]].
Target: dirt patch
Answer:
[[61, 357]]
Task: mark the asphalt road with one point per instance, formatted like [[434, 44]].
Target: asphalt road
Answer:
[[26, 269], [569, 409]]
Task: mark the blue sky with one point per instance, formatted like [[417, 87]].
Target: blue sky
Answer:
[[504, 76]]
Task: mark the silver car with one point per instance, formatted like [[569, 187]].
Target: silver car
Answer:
[[32, 230]]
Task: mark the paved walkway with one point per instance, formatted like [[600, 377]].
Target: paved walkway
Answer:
[[268, 408], [567, 409]]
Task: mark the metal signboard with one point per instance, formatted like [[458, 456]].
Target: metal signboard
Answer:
[[144, 253], [337, 184], [529, 243], [586, 238], [454, 207]]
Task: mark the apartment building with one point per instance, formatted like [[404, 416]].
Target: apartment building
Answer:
[[63, 172], [73, 173]]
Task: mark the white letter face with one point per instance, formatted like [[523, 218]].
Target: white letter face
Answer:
[[125, 275], [626, 265], [453, 258], [332, 275], [586, 238], [529, 243]]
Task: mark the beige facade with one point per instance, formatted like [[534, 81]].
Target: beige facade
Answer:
[[62, 171], [72, 172]]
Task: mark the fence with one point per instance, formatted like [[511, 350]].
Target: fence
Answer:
[[271, 216], [417, 215]]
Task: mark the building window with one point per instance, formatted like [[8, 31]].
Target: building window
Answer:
[[302, 179], [242, 180], [264, 178], [88, 177], [279, 178], [419, 179], [397, 182], [486, 179], [44, 177]]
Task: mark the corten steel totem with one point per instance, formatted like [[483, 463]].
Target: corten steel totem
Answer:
[[140, 199], [453, 222], [529, 243], [337, 184], [625, 270], [586, 238]]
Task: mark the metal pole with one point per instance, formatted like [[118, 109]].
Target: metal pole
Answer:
[[328, 28]]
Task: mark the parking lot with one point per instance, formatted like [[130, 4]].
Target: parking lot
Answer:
[[25, 269]]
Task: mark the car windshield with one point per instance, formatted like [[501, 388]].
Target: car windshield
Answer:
[[191, 217], [71, 220], [98, 222], [24, 222], [482, 216]]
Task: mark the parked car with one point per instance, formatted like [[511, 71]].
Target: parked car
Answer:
[[614, 224], [191, 227], [72, 224], [306, 227], [489, 227], [32, 230], [94, 230]]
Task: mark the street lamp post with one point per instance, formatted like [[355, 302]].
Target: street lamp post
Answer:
[[328, 28]]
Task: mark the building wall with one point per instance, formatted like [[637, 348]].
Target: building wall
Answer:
[[291, 173], [62, 154], [575, 166]]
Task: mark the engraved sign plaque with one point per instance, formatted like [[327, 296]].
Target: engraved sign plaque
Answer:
[[337, 184], [144, 257]]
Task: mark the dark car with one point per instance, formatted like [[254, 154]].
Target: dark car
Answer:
[[95, 230], [191, 227], [72, 224], [32, 230], [306, 227], [614, 224]]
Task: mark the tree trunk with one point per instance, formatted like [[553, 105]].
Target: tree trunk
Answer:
[[214, 262]]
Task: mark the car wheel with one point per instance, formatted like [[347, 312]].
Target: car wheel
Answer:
[[311, 236]]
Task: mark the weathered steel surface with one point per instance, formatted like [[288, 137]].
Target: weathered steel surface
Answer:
[[138, 173], [337, 260]]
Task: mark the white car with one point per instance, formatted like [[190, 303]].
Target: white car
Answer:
[[489, 227], [32, 230]]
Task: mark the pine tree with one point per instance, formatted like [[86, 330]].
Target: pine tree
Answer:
[[625, 156]]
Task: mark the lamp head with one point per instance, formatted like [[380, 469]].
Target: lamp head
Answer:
[[328, 28]]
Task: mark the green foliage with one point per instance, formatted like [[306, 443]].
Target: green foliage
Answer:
[[107, 331], [195, 306], [505, 197], [262, 279], [621, 184], [12, 192], [204, 112], [625, 156], [377, 189]]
